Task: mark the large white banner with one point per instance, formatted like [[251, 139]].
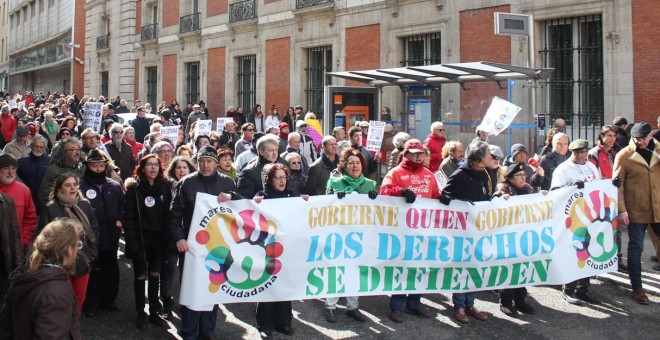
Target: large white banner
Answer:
[[92, 116], [499, 116], [241, 251]]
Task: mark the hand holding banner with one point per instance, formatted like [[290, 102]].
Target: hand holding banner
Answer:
[[499, 116]]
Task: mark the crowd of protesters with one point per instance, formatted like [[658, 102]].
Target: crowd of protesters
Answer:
[[69, 192]]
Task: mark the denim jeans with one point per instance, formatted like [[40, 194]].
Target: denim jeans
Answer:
[[196, 324], [463, 300], [412, 301], [636, 233]]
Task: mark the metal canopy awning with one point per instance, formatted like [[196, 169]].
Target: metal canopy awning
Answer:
[[458, 73]]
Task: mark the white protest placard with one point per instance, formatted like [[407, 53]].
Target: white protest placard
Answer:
[[203, 127], [375, 135], [241, 251], [220, 123], [92, 116], [499, 116], [441, 178], [12, 103], [171, 133]]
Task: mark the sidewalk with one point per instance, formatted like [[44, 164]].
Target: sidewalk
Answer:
[[650, 277]]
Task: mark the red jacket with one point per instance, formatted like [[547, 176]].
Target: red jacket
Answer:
[[26, 213], [435, 144], [9, 125], [598, 156], [421, 181], [136, 147]]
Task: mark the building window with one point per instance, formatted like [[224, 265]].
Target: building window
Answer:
[[104, 84], [192, 82], [319, 61], [420, 50], [574, 48], [152, 84], [247, 82]]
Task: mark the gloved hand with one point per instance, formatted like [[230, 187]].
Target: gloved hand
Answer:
[[409, 195], [472, 203], [373, 194], [444, 199], [341, 194], [580, 185], [616, 182]]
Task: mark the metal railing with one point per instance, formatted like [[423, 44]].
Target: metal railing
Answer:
[[243, 10], [149, 32], [103, 42], [309, 3], [190, 23]]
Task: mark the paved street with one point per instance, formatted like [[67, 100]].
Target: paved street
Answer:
[[618, 317]]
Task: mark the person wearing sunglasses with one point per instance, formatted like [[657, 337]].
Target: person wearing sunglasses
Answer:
[[494, 170], [434, 142], [120, 152], [66, 201], [245, 142]]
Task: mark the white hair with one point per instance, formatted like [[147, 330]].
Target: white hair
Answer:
[[399, 139], [435, 125], [155, 127], [293, 135], [558, 135]]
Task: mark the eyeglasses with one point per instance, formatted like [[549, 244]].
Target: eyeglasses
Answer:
[[496, 158], [280, 178], [117, 132], [165, 152], [441, 130], [295, 163], [151, 165]]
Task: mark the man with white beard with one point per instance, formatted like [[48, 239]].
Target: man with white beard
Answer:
[[32, 168]]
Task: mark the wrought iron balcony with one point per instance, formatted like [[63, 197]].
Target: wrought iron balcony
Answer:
[[103, 42], [309, 3], [243, 10], [149, 32], [190, 23]]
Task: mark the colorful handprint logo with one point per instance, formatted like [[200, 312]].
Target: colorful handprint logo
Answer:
[[592, 220], [242, 249]]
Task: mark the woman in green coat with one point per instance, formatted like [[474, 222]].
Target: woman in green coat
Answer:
[[347, 179]]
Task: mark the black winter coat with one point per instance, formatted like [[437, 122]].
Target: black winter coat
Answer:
[[31, 170], [145, 211], [185, 194], [108, 204], [123, 159], [249, 180], [549, 162], [467, 184]]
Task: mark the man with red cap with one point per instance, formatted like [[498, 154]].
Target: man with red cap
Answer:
[[409, 179]]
